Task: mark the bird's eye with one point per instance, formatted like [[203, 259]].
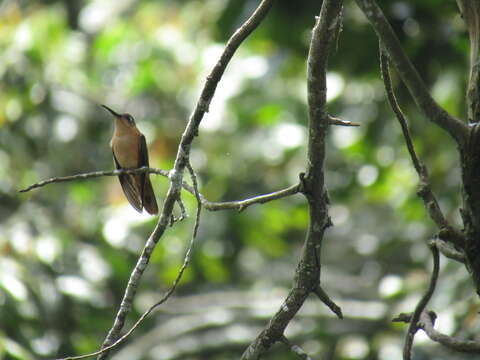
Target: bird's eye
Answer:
[[130, 119]]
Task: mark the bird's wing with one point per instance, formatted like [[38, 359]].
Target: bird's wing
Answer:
[[143, 158], [130, 190], [148, 196], [142, 161]]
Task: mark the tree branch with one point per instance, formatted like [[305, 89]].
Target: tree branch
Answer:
[[427, 323], [417, 88], [425, 189], [239, 205], [447, 233], [323, 296], [339, 122], [95, 174], [449, 251], [422, 304], [307, 276], [470, 10], [182, 158]]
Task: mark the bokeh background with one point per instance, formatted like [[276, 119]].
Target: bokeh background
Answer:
[[66, 250]]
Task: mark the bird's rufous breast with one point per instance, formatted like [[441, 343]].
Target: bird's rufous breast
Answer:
[[126, 148]]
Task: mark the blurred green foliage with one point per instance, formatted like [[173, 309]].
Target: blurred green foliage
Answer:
[[66, 250]]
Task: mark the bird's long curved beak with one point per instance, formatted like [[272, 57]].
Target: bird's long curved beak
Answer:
[[110, 110]]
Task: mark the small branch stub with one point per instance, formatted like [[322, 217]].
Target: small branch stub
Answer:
[[339, 122]]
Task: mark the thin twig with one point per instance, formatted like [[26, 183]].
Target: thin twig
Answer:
[[422, 304], [425, 192], [323, 296], [183, 211], [193, 176], [297, 350], [339, 122], [95, 174], [260, 199], [239, 205], [417, 88], [385, 72]]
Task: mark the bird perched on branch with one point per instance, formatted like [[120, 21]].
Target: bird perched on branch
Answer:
[[130, 152]]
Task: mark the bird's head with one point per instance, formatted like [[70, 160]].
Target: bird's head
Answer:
[[126, 119]]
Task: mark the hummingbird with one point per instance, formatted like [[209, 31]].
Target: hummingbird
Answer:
[[129, 150]]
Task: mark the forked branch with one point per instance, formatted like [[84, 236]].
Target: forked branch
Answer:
[[447, 232], [307, 277]]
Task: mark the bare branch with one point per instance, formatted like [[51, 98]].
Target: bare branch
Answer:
[[239, 205], [422, 304], [323, 296], [307, 277], [339, 122], [425, 191], [449, 251], [197, 196], [95, 174], [417, 88], [470, 10], [385, 71], [427, 323], [243, 204]]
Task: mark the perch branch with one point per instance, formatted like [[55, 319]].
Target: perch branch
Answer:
[[417, 88], [239, 205], [307, 276], [94, 174]]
